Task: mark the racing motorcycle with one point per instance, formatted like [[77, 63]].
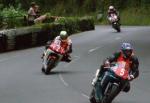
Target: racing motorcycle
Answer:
[[108, 86], [52, 56], [115, 23]]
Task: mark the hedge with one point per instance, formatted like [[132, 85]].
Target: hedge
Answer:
[[20, 38]]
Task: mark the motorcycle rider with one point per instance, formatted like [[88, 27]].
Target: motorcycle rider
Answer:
[[65, 42], [126, 53], [112, 10]]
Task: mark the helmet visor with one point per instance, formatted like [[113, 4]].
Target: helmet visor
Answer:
[[63, 37], [127, 53]]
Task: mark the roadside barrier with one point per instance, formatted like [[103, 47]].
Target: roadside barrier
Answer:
[[26, 37]]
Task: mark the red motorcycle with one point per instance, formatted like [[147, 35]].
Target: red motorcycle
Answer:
[[52, 56]]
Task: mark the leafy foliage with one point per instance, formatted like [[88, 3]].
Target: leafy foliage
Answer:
[[11, 16], [72, 8]]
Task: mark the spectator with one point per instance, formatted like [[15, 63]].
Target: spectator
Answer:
[[37, 10], [34, 14]]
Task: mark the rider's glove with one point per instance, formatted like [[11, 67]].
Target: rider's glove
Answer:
[[130, 77], [96, 77], [106, 63], [94, 81]]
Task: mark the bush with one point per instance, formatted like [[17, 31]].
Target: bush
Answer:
[[135, 16], [70, 24], [12, 17], [86, 23]]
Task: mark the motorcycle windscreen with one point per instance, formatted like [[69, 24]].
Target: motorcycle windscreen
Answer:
[[57, 47]]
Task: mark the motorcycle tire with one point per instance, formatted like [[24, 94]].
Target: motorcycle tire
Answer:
[[43, 70], [116, 26], [50, 66], [118, 29], [113, 93], [92, 97]]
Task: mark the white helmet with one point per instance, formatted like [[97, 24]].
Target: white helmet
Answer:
[[111, 7], [63, 35]]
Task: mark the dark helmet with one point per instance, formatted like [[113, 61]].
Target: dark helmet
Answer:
[[126, 49], [33, 4], [63, 35]]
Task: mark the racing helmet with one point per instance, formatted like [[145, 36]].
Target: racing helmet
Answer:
[[126, 49], [63, 35]]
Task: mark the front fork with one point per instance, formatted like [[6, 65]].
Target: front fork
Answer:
[[98, 91]]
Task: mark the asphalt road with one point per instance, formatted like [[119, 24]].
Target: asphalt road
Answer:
[[21, 80]]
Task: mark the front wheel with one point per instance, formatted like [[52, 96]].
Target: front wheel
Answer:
[[113, 92], [116, 26], [50, 66], [92, 96], [118, 29]]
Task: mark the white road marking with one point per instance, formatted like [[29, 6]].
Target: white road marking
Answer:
[[60, 76], [91, 50], [62, 79], [84, 95], [65, 83], [117, 38]]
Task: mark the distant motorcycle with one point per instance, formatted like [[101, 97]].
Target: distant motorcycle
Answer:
[[107, 93], [52, 57], [115, 23]]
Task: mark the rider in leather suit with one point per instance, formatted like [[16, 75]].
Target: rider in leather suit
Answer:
[[112, 10], [126, 53], [66, 42]]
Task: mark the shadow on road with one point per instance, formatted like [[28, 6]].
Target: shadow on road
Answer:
[[61, 72]]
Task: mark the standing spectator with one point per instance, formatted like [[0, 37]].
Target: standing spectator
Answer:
[[34, 14]]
